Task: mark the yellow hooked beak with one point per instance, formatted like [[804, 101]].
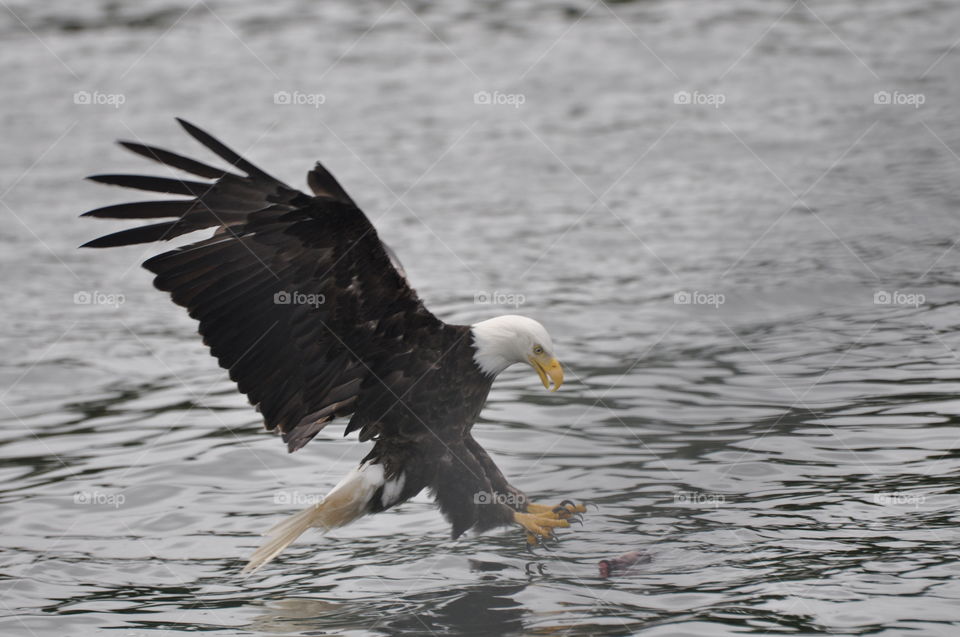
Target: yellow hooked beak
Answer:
[[549, 370]]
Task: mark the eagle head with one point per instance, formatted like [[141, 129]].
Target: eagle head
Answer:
[[502, 341]]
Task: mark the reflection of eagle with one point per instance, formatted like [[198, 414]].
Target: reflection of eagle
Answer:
[[313, 316]]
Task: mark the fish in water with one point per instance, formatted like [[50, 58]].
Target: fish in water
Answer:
[[623, 564]]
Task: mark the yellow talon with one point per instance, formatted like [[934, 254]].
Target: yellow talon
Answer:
[[538, 526], [561, 511], [539, 509]]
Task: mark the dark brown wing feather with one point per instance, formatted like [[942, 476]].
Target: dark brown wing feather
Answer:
[[296, 295]]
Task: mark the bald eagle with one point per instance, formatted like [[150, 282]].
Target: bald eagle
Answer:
[[314, 319]]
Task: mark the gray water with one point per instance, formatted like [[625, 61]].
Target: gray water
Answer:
[[783, 447]]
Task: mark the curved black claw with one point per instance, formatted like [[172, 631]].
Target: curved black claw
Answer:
[[547, 541], [571, 507], [568, 515], [534, 541]]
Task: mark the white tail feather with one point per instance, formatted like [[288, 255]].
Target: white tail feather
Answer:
[[344, 504]]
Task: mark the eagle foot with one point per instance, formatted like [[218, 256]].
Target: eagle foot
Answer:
[[566, 510], [538, 527]]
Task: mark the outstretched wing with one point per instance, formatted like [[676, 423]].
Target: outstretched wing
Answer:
[[296, 295]]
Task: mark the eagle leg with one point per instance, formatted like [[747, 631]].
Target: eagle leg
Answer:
[[538, 527]]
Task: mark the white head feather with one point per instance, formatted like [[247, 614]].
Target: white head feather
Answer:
[[504, 340]]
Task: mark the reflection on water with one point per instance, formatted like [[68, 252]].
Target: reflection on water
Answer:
[[756, 304], [479, 611]]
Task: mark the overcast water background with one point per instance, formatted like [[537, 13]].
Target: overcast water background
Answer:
[[738, 220]]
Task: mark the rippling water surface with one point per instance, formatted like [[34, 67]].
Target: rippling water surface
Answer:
[[783, 447]]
